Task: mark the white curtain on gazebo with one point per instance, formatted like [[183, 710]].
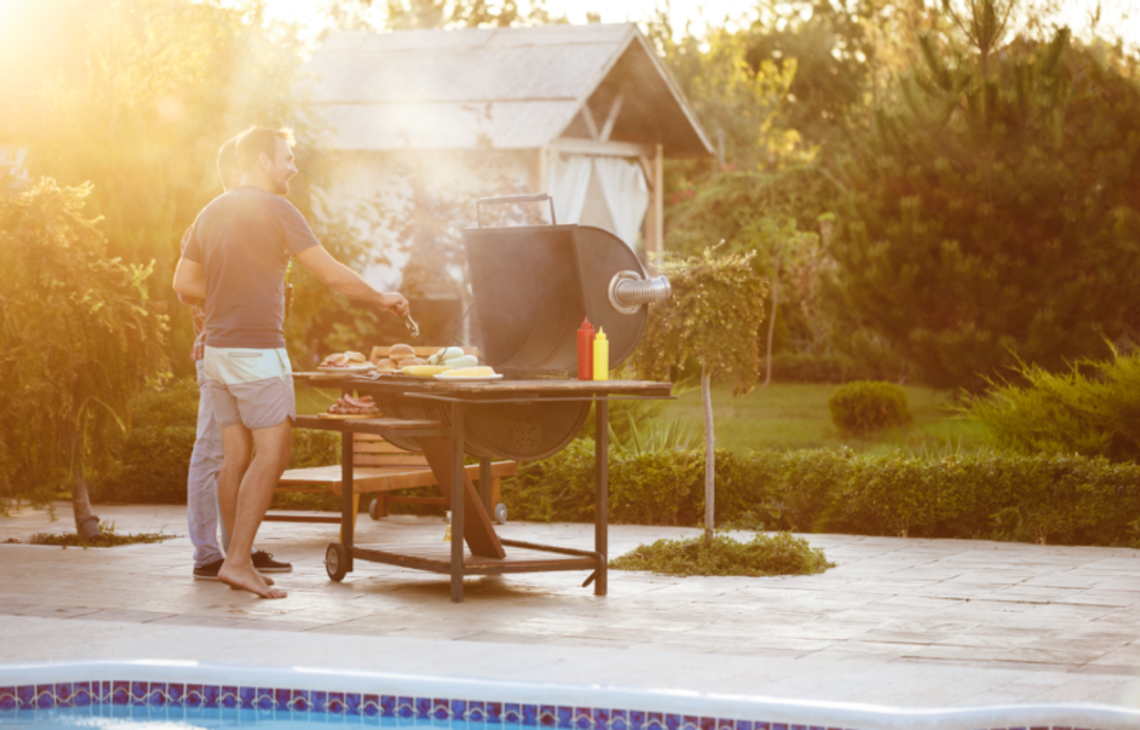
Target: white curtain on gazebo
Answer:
[[622, 185]]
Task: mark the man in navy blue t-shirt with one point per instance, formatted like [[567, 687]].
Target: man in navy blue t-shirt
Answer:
[[236, 260]]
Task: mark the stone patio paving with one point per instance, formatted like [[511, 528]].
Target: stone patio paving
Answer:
[[903, 622]]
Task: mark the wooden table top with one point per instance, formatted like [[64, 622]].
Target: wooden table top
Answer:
[[551, 387]]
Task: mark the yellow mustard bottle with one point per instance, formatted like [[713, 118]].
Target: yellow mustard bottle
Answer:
[[601, 356]]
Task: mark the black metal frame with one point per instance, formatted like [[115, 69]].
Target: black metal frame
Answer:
[[599, 557]]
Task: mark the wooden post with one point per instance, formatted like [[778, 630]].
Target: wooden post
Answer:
[[458, 475], [655, 216], [602, 493]]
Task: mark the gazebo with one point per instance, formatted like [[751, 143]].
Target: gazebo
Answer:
[[585, 112]]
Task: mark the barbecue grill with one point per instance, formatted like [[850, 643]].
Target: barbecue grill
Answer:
[[532, 287]]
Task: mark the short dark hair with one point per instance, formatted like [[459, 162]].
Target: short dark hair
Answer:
[[256, 140], [227, 161]]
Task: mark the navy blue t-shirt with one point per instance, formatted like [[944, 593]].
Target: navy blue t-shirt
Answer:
[[243, 240]]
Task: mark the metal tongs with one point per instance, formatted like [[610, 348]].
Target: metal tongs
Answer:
[[413, 328]]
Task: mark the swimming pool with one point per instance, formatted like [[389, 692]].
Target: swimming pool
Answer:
[[177, 695]]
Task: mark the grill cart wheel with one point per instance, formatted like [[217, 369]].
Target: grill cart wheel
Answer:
[[336, 561], [374, 508], [501, 513]]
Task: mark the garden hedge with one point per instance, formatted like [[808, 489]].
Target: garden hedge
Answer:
[[1070, 500]]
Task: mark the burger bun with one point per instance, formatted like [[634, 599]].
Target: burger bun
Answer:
[[401, 352]]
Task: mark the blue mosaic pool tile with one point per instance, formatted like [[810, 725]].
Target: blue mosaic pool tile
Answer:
[[689, 722], [194, 697], [599, 717], [388, 705], [405, 707], [779, 726], [154, 695], [744, 725], [619, 720], [440, 709], [81, 694], [353, 703], [563, 717], [639, 720], [334, 703], [496, 713], [137, 692], [370, 705], [510, 713], [44, 697], [210, 695], [473, 711], [264, 698], [529, 715], [582, 719], [120, 693], [64, 694], [300, 701], [228, 697], [318, 701]]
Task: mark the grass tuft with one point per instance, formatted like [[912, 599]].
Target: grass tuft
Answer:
[[106, 538], [764, 555]]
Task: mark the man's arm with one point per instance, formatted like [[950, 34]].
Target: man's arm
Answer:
[[190, 280], [344, 280]]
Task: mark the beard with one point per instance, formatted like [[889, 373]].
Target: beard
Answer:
[[281, 186]]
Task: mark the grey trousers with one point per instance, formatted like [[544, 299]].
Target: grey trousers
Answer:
[[202, 511]]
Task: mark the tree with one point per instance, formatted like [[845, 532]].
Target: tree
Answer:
[[992, 213], [168, 81], [79, 334], [714, 315], [408, 14]]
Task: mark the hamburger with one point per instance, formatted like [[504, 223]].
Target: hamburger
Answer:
[[387, 365], [401, 352]]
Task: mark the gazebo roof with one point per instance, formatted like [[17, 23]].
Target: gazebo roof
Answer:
[[500, 88]]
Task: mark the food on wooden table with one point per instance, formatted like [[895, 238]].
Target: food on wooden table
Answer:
[[401, 352], [447, 353], [460, 373], [347, 405], [387, 365], [411, 362], [344, 360], [425, 371]]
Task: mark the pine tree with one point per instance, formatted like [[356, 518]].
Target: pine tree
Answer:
[[994, 212]]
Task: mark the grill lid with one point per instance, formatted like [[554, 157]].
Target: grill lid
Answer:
[[533, 285]]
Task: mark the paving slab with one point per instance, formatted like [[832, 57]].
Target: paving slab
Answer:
[[906, 622]]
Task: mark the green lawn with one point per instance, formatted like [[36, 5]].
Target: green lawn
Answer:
[[786, 416], [795, 416]]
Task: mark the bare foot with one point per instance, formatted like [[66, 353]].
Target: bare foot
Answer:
[[247, 579]]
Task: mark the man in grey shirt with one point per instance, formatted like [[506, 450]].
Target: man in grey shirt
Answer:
[[236, 261]]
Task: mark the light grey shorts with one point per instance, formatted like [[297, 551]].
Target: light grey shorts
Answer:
[[248, 386]]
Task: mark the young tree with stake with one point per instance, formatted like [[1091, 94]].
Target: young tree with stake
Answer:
[[714, 315]]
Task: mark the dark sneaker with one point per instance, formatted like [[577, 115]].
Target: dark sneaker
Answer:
[[209, 572], [263, 562]]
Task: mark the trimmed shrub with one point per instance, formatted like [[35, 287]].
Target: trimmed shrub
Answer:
[[1061, 499], [865, 406], [154, 460]]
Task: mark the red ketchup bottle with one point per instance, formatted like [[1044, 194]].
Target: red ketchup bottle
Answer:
[[586, 350]]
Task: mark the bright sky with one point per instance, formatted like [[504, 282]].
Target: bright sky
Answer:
[[1117, 16]]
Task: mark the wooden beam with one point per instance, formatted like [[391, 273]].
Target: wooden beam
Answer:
[[588, 117], [647, 171], [611, 118], [579, 146]]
